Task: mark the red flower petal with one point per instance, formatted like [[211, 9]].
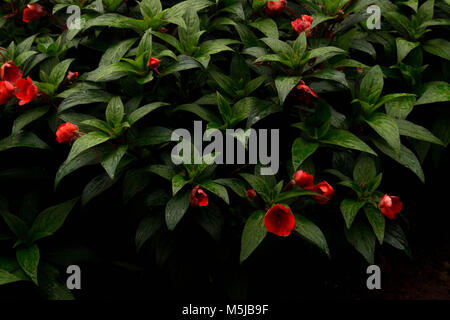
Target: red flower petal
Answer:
[[33, 11], [198, 197], [6, 91], [325, 190], [303, 179], [27, 91], [66, 132], [279, 220], [274, 8], [390, 206], [10, 72]]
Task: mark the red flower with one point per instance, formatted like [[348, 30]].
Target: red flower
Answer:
[[304, 92], [324, 189], [303, 179], [303, 24], [153, 63], [274, 8], [27, 91], [6, 91], [390, 206], [198, 197], [33, 11], [251, 194], [308, 19], [67, 132], [10, 72], [279, 220], [72, 76]]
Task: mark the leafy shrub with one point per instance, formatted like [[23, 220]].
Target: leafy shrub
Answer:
[[110, 93]]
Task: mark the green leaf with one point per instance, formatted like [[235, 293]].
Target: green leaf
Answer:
[[115, 112], [59, 72], [145, 45], [7, 277], [87, 141], [425, 12], [152, 136], [349, 209], [28, 117], [253, 234], [404, 47], [163, 171], [84, 97], [85, 158], [365, 169], [50, 283], [258, 184], [258, 4], [259, 110], [16, 225], [390, 97], [215, 46], [150, 8], [395, 236], [97, 186], [114, 71], [143, 111], [266, 26], [98, 124], [331, 74], [217, 189], [234, 184], [176, 208], [28, 259], [178, 182], [25, 45], [23, 57], [114, 53], [293, 194], [279, 46], [301, 150], [432, 92], [376, 220], [362, 239], [406, 157], [225, 83], [400, 108], [415, 131], [211, 219], [22, 139], [202, 112], [51, 219], [323, 51], [438, 47], [116, 21], [134, 182], [285, 85], [387, 128], [435, 22], [224, 108], [312, 233], [346, 139], [300, 45], [371, 85], [146, 229], [399, 22], [112, 160]]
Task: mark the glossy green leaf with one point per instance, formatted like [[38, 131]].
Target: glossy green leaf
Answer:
[[253, 234]]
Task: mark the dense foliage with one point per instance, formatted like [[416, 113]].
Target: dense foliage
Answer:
[[89, 106]]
